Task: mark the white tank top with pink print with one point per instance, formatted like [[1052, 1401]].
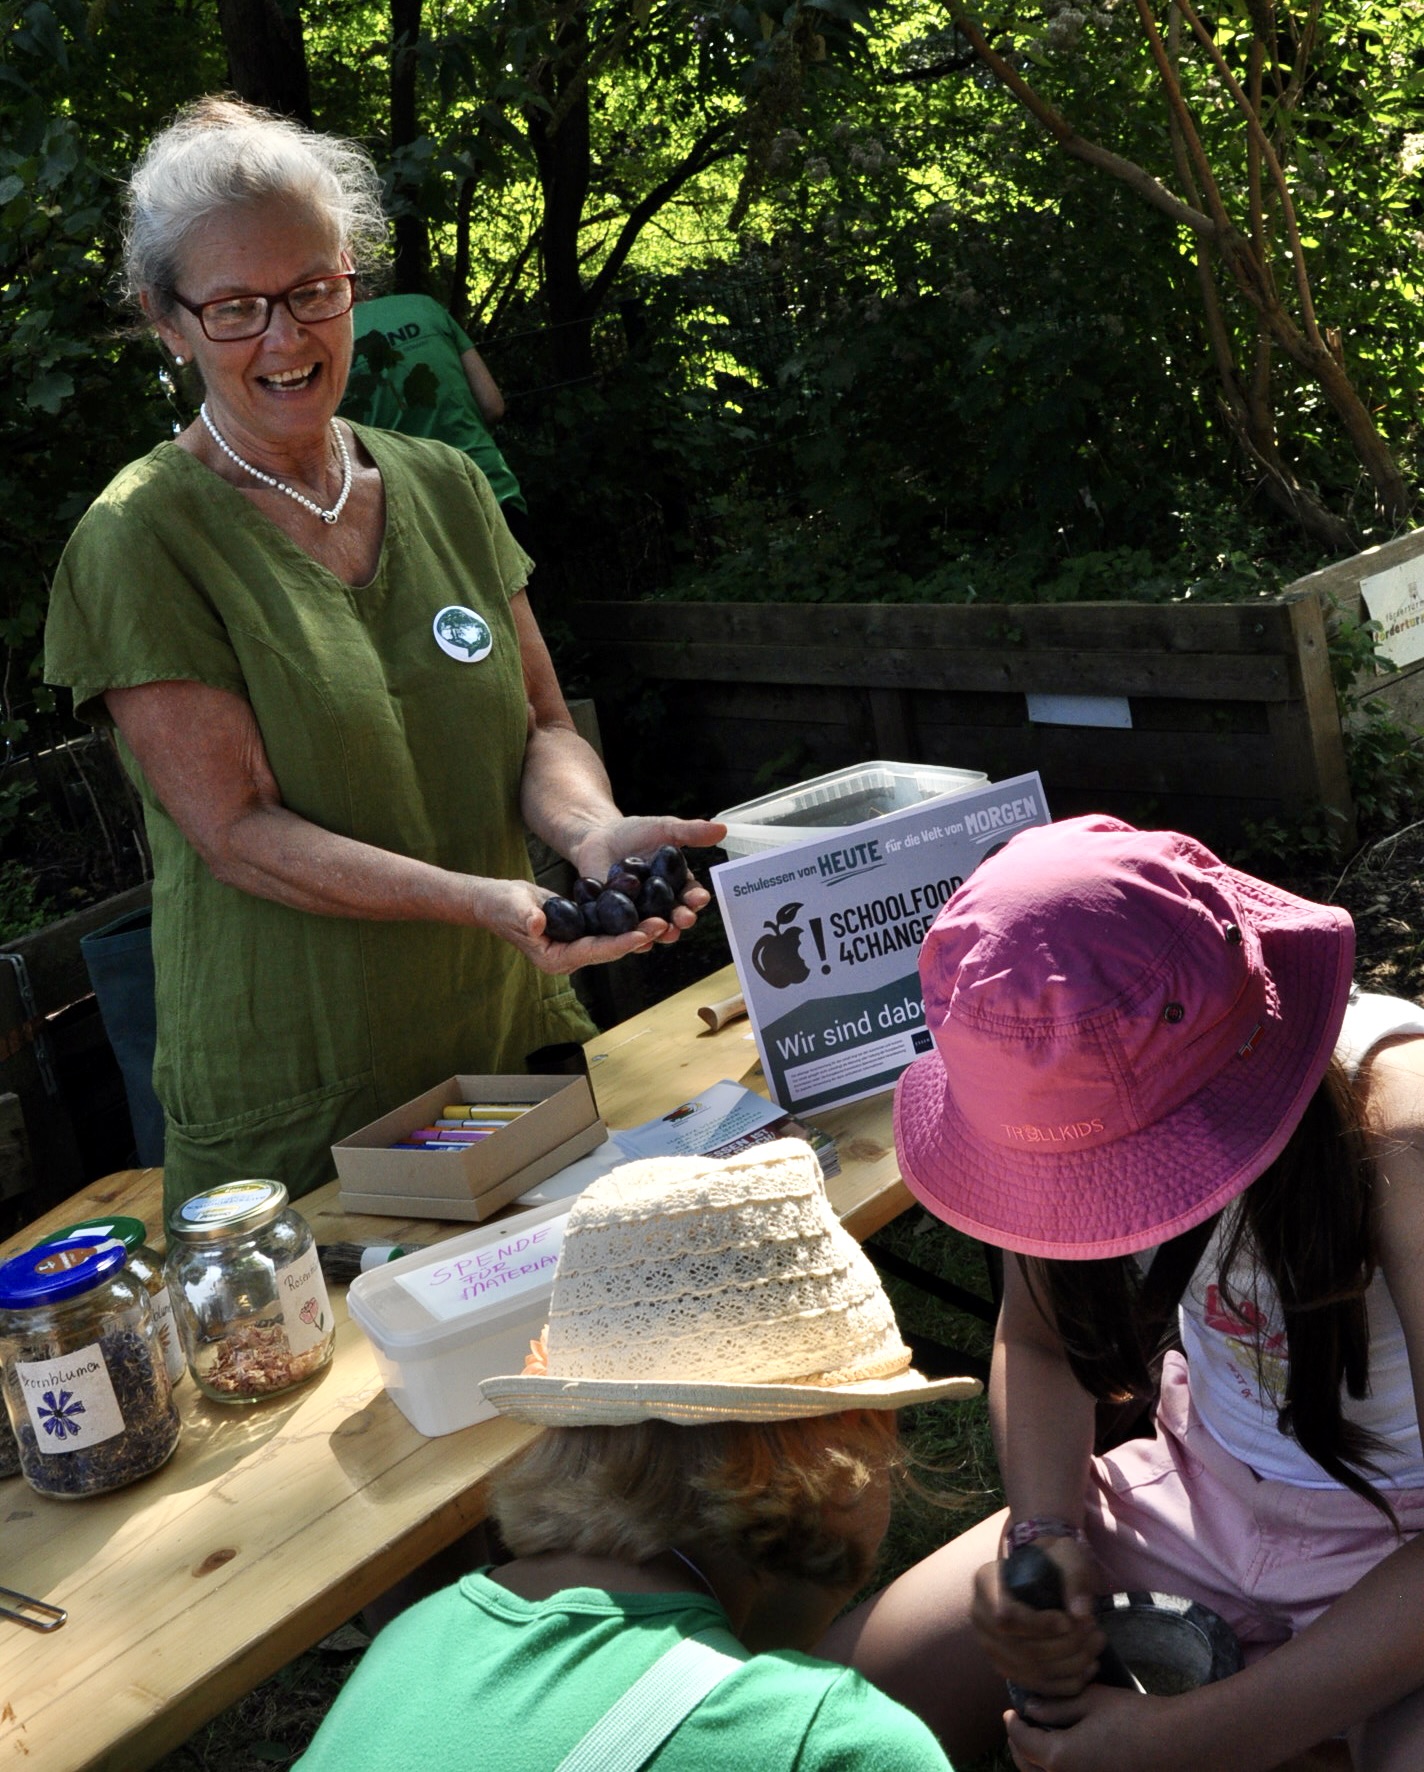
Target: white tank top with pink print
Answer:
[[1237, 1356]]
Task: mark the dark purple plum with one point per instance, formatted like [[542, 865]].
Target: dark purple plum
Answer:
[[563, 920], [657, 899], [584, 891], [671, 864], [628, 884], [617, 914], [636, 866], [589, 913]]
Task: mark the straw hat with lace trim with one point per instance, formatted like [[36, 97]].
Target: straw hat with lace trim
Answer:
[[695, 1290]]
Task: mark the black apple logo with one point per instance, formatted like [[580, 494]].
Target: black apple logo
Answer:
[[777, 956]]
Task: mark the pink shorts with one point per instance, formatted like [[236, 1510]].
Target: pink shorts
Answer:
[[1180, 1515]]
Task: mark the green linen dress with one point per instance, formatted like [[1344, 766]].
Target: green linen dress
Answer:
[[280, 1031]]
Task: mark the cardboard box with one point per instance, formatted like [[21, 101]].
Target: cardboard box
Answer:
[[443, 1318], [561, 1125]]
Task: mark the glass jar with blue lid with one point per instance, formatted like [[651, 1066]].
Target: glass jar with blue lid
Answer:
[[82, 1369], [145, 1264], [248, 1292]]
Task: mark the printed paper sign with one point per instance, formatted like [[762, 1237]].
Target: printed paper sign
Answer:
[[506, 1267], [719, 1115], [826, 937], [1395, 599]]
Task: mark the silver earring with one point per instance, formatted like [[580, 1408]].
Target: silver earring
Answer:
[[180, 361]]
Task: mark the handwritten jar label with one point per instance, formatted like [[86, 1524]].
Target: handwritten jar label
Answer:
[[166, 1330], [70, 1400], [306, 1309]]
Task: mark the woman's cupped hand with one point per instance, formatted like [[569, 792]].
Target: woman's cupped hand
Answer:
[[621, 837], [513, 910]]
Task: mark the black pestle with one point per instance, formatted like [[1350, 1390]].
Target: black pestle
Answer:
[[1034, 1579]]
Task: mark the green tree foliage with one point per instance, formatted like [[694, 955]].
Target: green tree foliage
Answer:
[[78, 398], [945, 362], [801, 302], [1253, 133]]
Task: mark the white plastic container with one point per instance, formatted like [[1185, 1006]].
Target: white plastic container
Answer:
[[443, 1318], [831, 802]]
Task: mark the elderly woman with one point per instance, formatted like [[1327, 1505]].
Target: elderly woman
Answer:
[[718, 1380], [316, 647]]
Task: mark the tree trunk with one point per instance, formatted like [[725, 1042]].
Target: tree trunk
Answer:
[[560, 142], [459, 297], [1243, 257], [412, 237], [266, 55]]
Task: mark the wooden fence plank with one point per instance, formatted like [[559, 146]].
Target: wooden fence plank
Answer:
[[1309, 760], [17, 1175], [1125, 627], [1337, 588], [1233, 709], [893, 723], [1225, 676], [52, 958]]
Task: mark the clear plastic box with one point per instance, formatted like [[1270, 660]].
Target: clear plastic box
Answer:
[[442, 1318], [831, 802]]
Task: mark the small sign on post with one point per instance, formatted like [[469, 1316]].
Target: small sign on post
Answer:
[[826, 937], [1395, 599]]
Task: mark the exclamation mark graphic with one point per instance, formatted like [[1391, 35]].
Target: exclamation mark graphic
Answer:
[[820, 939]]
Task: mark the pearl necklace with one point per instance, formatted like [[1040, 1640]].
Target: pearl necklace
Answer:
[[281, 485]]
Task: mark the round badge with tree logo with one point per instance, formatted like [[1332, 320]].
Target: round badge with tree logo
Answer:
[[462, 634]]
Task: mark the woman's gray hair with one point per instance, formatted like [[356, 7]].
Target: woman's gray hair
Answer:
[[219, 152]]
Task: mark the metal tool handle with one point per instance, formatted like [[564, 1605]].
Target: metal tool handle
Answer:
[[34, 1614]]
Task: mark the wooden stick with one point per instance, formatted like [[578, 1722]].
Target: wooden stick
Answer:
[[717, 1015]]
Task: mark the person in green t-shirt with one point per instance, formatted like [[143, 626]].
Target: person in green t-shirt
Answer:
[[315, 643], [718, 1381], [416, 371]]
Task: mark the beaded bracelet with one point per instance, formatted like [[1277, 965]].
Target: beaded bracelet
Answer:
[[1041, 1526]]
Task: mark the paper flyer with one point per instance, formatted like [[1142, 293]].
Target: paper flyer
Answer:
[[826, 937], [719, 1115]]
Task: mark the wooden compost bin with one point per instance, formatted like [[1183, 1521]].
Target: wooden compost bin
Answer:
[[1234, 717], [1338, 587]]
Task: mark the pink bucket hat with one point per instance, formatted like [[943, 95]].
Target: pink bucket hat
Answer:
[[1127, 1032]]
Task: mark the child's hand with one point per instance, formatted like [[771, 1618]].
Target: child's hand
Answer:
[[1105, 1730], [1050, 1652]]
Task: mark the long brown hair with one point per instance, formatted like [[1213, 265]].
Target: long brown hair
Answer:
[[1305, 1223]]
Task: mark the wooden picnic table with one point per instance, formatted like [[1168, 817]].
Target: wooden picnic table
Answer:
[[273, 1524]]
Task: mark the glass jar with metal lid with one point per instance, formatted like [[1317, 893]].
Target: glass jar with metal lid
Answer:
[[248, 1292], [147, 1265], [82, 1369]]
